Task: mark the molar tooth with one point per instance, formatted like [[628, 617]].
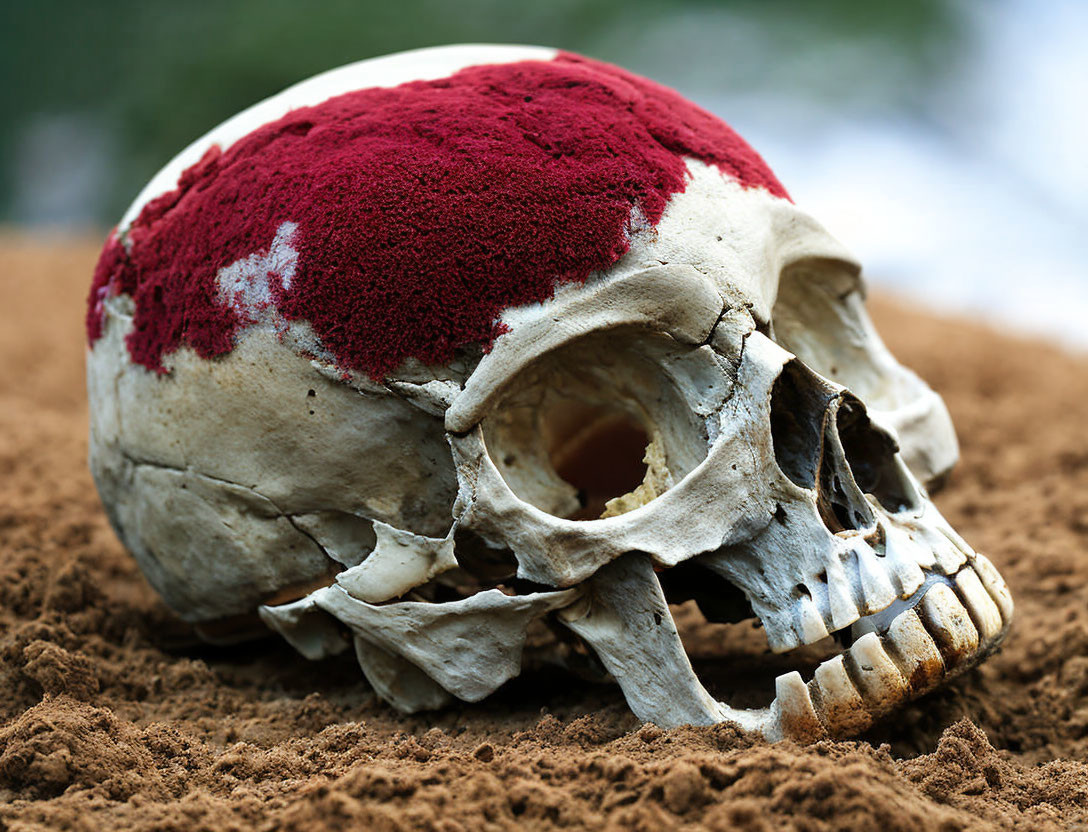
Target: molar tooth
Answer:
[[876, 590], [810, 624], [881, 684], [949, 624], [796, 713], [914, 651], [995, 585], [840, 706], [980, 605], [840, 597]]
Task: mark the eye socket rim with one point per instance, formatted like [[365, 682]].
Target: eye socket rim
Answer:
[[658, 357]]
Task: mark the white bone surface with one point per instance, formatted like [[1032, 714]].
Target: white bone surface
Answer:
[[469, 647], [397, 681], [625, 619], [306, 627], [400, 561]]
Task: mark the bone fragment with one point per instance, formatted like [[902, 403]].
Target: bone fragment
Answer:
[[470, 647], [398, 681], [306, 627], [401, 561], [628, 624]]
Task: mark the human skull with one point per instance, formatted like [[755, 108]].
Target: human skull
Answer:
[[438, 348]]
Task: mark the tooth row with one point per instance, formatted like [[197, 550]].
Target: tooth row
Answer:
[[843, 609], [875, 579], [941, 635]]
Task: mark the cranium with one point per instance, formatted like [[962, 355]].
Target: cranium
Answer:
[[415, 367]]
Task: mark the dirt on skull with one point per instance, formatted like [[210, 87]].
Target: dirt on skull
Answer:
[[115, 715]]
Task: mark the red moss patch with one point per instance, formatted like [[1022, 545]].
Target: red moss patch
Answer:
[[423, 210]]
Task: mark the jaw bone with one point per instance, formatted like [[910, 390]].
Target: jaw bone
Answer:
[[954, 624]]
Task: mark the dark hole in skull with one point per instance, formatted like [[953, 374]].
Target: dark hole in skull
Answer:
[[824, 440], [725, 641], [600, 452], [575, 434], [871, 454], [798, 406]]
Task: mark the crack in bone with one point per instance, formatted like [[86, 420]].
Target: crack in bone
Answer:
[[229, 546], [679, 524], [728, 295]]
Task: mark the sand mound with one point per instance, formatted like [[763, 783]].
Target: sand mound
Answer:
[[114, 716]]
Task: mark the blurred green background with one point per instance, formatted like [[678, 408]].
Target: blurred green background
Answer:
[[942, 140], [125, 84]]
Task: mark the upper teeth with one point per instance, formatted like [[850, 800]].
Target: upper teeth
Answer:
[[953, 625]]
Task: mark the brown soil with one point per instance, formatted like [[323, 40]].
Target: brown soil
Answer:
[[114, 716]]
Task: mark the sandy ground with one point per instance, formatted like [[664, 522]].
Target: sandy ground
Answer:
[[114, 716]]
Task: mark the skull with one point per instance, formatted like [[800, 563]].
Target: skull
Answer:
[[648, 378]]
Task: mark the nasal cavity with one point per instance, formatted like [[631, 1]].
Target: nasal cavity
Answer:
[[872, 455], [824, 441], [799, 405]]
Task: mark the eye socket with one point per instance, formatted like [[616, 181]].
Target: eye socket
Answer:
[[595, 429]]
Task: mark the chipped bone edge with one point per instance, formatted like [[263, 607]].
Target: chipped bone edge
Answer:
[[785, 715]]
